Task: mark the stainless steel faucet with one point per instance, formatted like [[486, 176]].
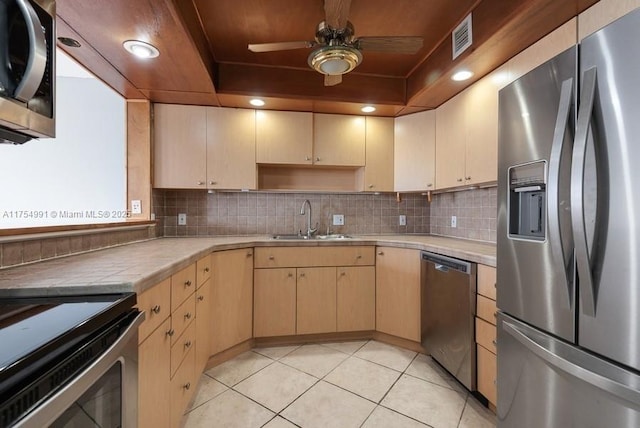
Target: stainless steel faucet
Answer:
[[310, 231]]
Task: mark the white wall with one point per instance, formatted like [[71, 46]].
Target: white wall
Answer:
[[82, 169]]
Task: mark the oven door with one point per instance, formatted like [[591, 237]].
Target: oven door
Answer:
[[105, 394]]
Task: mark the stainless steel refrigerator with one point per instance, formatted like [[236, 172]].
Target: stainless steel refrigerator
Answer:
[[569, 237]]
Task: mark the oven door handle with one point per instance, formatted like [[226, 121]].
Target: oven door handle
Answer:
[[63, 399], [37, 61]]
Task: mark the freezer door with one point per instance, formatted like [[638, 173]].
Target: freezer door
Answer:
[[534, 240], [606, 192], [545, 382]]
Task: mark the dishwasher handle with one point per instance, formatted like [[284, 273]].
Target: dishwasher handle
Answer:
[[445, 264]]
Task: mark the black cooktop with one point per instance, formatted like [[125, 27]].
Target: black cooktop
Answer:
[[35, 328]]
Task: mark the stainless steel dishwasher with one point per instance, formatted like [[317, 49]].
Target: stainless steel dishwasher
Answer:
[[448, 310]]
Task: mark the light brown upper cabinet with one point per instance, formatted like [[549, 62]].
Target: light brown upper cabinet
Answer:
[[199, 147], [180, 146], [338, 140], [603, 13], [231, 155], [378, 171], [467, 134], [414, 152], [284, 137]]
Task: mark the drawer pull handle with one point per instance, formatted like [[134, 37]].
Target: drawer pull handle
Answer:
[[187, 316], [187, 283], [459, 180], [187, 386], [187, 344], [249, 254], [206, 270], [495, 285], [302, 275], [343, 273], [156, 309], [380, 253], [494, 343], [468, 178], [290, 275], [170, 332], [495, 314], [271, 257], [201, 298], [358, 256], [495, 382]]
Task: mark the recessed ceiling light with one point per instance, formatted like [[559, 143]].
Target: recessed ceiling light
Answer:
[[141, 49], [462, 75], [257, 102], [368, 109], [68, 41]]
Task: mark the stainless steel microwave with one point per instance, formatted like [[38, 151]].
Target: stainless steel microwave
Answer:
[[27, 70]]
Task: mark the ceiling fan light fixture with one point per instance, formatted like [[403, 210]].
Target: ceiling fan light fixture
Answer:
[[335, 60], [256, 102]]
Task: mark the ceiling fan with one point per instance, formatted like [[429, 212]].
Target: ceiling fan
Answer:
[[337, 50]]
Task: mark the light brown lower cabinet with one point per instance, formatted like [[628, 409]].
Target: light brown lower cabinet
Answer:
[[274, 302], [486, 333], [487, 369], [316, 300], [356, 298], [183, 386], [154, 365], [203, 325]]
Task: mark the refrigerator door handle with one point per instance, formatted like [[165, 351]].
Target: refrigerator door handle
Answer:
[[583, 258], [623, 391], [555, 239]]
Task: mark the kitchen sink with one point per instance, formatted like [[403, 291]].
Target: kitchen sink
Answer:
[[333, 236]]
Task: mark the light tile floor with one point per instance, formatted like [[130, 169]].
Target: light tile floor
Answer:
[[348, 384]]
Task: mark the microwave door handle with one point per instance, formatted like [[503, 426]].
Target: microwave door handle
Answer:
[[555, 239], [37, 61], [583, 258]]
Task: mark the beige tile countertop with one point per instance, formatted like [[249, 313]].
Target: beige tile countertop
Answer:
[[138, 266]]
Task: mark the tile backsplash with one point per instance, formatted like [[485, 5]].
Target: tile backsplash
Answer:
[[251, 213]]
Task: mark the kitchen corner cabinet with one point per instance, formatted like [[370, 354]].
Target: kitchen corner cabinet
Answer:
[[414, 152], [378, 170], [200, 147], [231, 298], [398, 292], [284, 137], [338, 140], [180, 146], [486, 333]]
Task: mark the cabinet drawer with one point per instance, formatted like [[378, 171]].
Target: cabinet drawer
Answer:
[[486, 309], [183, 385], [155, 302], [487, 281], [182, 317], [182, 346], [273, 257], [203, 269], [486, 335], [487, 369], [182, 285]]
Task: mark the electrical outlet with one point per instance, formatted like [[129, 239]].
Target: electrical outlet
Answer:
[[402, 220], [454, 221], [338, 220], [136, 207], [182, 219]]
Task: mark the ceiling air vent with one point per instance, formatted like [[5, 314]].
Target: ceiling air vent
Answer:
[[462, 37]]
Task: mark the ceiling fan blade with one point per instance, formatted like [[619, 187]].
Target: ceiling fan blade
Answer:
[[336, 13], [280, 46], [391, 44], [332, 79]]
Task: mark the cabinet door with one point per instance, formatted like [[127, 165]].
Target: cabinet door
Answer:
[[398, 292], [154, 364], [284, 137], [356, 298], [316, 300], [603, 13], [183, 385], [378, 170], [231, 148], [487, 368], [274, 302], [231, 298], [338, 140], [450, 143], [180, 146], [414, 152], [481, 125], [203, 325]]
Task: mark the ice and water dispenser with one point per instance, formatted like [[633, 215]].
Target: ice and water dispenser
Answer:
[[527, 201]]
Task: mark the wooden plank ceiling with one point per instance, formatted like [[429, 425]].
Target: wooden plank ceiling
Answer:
[[204, 57]]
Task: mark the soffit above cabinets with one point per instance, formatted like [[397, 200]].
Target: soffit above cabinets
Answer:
[[204, 58]]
